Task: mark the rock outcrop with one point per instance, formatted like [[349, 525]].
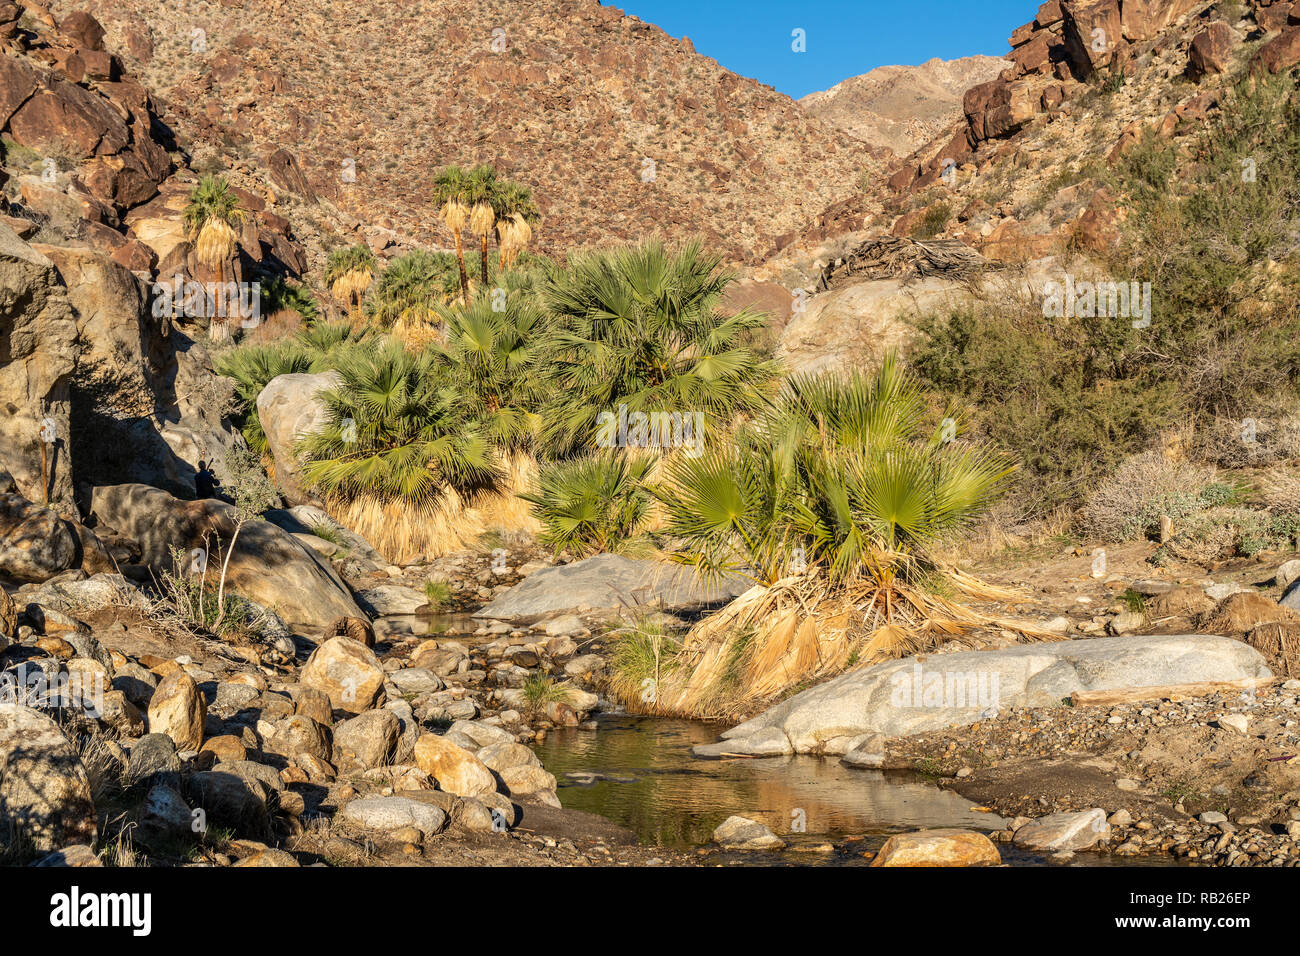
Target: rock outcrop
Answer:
[[953, 690], [269, 566], [37, 332]]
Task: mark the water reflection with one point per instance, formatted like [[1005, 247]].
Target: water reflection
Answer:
[[639, 772]]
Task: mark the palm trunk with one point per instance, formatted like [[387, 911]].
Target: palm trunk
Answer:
[[464, 276], [483, 272]]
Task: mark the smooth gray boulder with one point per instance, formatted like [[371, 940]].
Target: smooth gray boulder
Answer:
[[1064, 831], [608, 583], [290, 408], [913, 696], [392, 813]]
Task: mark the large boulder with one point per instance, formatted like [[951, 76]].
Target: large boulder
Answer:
[[37, 336], [348, 673], [852, 326], [289, 408], [45, 795], [455, 769], [606, 584], [952, 690], [269, 566], [35, 543]]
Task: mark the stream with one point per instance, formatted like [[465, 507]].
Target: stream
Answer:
[[639, 772]]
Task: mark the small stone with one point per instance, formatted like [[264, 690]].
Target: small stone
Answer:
[[741, 833]]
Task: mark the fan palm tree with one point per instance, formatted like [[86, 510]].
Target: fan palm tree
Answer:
[[408, 291], [491, 353], [483, 189], [596, 504], [840, 470], [516, 214], [453, 194], [213, 217], [640, 327], [396, 434], [349, 272]]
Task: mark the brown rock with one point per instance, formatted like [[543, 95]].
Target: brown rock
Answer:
[[287, 174], [1280, 53], [1097, 228], [1093, 32], [1210, 50], [83, 30], [178, 709], [942, 847], [354, 628], [457, 770]]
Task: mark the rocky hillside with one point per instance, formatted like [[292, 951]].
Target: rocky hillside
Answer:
[[1020, 176], [621, 130], [903, 107]]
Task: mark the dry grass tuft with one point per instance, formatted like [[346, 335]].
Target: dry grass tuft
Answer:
[[403, 536], [772, 640]]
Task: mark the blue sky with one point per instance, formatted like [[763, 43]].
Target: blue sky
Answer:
[[844, 37]]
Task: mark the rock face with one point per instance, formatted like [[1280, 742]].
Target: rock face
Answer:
[[607, 583], [953, 690], [35, 543], [1064, 831], [289, 409], [44, 793], [146, 405], [348, 673], [269, 566], [37, 332], [948, 847]]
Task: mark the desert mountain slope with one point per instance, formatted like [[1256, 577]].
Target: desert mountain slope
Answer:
[[571, 98], [903, 107]]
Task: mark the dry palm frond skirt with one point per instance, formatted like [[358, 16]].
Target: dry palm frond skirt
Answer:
[[403, 535], [773, 640]]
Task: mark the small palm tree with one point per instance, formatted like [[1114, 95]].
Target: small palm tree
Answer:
[[409, 290], [396, 434], [453, 194], [641, 327], [597, 504], [491, 354], [349, 272], [516, 214], [213, 217]]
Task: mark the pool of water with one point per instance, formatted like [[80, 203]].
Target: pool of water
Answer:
[[639, 772]]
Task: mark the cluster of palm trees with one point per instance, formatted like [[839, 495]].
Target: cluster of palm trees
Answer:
[[477, 201], [841, 482]]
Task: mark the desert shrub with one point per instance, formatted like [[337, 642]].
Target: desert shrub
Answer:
[[1130, 503], [1074, 397], [933, 221]]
